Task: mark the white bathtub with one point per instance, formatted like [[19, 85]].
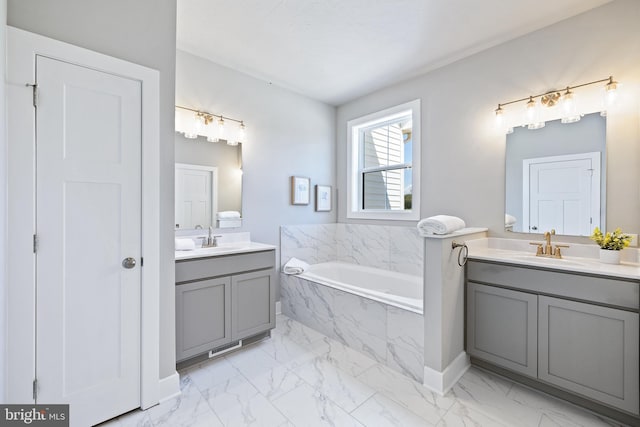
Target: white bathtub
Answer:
[[401, 290]]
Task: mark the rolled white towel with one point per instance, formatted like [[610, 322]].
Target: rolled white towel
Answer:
[[228, 215], [185, 244], [441, 224], [295, 266], [509, 220]]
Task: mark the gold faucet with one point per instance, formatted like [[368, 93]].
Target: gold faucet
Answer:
[[548, 250]]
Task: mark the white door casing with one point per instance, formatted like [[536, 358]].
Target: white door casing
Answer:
[[562, 193], [22, 50], [88, 217]]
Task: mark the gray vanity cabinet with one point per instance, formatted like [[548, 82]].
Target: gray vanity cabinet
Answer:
[[223, 299], [502, 327], [576, 336], [591, 350], [205, 302]]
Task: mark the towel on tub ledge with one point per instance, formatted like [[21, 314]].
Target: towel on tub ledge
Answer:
[[441, 224], [295, 266]]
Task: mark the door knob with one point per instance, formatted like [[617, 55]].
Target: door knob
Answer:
[[129, 262], [534, 228]]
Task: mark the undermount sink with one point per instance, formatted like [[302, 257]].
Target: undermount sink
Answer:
[[221, 248]]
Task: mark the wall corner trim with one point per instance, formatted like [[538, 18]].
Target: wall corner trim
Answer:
[[169, 387], [442, 382]]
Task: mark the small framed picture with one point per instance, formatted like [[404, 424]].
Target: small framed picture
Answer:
[[323, 198], [300, 190]]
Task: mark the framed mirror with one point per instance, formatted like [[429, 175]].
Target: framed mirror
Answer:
[[208, 184], [555, 177]]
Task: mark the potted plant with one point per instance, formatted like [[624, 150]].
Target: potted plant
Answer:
[[610, 244]]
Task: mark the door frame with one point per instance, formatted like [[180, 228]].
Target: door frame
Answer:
[[22, 48], [595, 183]]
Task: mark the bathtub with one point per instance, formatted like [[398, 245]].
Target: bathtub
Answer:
[[373, 311], [389, 287]]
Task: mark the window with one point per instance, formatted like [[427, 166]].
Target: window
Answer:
[[383, 179]]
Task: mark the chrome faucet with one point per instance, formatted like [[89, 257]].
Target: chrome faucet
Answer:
[[548, 250], [210, 241]]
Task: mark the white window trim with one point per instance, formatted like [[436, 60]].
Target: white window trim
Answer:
[[353, 191]]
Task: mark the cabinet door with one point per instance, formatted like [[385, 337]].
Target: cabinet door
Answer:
[[502, 327], [253, 298], [591, 350], [203, 316]]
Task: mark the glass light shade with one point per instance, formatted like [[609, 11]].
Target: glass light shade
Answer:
[[499, 116], [220, 128], [569, 110], [611, 94], [533, 115], [242, 133]]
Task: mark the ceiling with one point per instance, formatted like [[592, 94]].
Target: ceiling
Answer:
[[337, 50]]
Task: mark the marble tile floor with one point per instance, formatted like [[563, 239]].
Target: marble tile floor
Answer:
[[301, 378]]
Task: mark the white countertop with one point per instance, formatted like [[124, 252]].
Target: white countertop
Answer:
[[501, 250], [224, 249]]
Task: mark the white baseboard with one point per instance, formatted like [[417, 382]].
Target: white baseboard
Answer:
[[278, 307], [169, 387], [442, 382]]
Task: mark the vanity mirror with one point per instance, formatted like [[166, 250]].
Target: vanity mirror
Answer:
[[555, 177], [208, 181]]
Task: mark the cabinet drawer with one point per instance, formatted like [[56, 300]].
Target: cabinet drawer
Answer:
[[590, 350], [596, 289], [223, 265], [502, 327]]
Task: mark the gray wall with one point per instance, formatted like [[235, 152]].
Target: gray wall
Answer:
[[143, 32], [463, 154], [225, 157], [287, 134], [3, 199], [555, 139]]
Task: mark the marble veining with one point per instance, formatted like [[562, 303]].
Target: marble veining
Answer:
[[388, 247], [329, 384], [387, 334]]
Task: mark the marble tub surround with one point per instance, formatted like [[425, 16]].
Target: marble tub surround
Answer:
[[392, 336], [387, 247], [316, 381], [582, 258]]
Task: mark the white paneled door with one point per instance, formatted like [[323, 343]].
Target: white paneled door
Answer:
[[88, 222], [562, 193]]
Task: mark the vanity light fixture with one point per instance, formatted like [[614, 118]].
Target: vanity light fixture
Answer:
[[200, 125], [570, 114]]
